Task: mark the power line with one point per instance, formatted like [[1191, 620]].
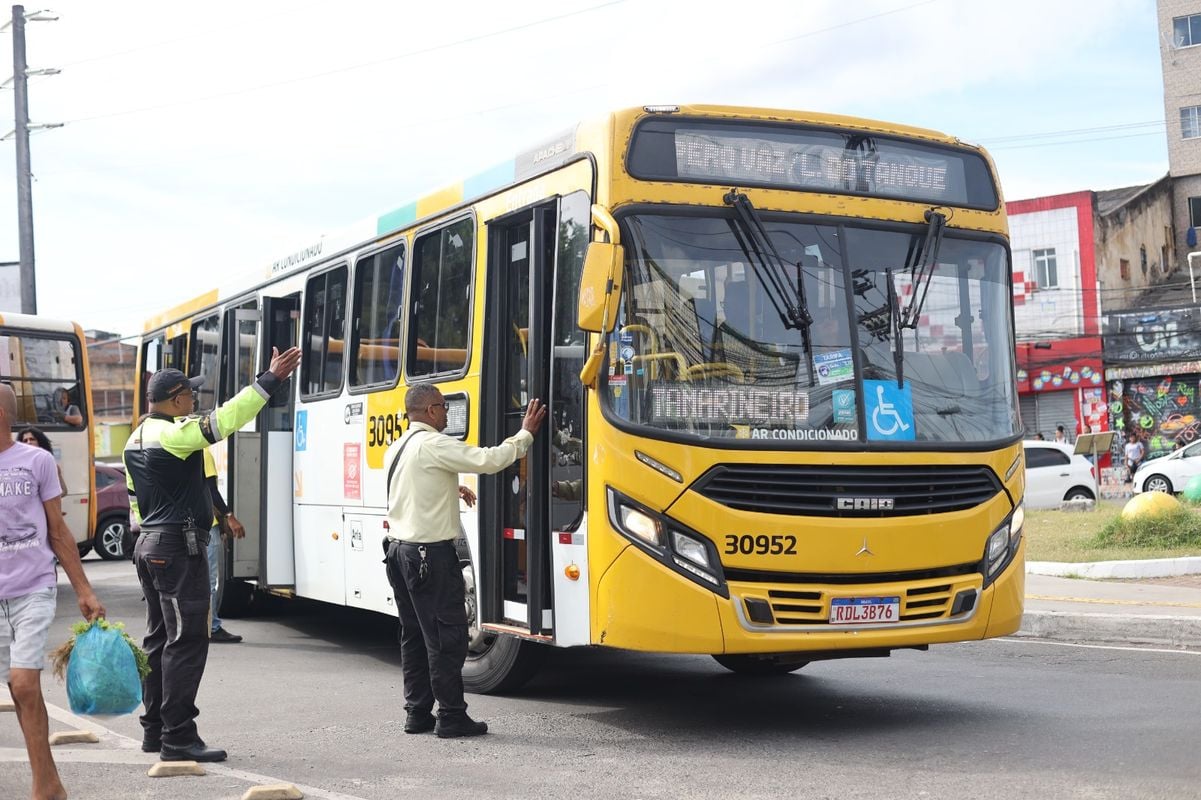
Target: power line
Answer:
[[1076, 141], [807, 34], [185, 37], [1073, 131], [352, 67]]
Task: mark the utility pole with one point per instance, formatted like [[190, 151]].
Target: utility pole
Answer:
[[29, 297], [20, 81]]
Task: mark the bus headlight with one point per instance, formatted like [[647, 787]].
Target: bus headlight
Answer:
[[1003, 543], [671, 543], [998, 546], [636, 522], [639, 524], [690, 549]]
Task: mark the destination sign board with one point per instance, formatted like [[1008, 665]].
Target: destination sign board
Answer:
[[784, 156]]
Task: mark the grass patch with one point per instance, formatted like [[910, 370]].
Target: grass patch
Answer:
[[1180, 527], [1053, 535]]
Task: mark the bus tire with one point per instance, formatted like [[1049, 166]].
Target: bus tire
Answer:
[[504, 666], [759, 665], [237, 599]]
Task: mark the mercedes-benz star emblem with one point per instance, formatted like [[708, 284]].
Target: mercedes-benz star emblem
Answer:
[[865, 550]]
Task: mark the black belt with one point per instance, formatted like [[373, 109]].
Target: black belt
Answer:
[[439, 543], [175, 528]]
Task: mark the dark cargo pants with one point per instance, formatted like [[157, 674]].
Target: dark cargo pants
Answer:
[[176, 588], [433, 625]]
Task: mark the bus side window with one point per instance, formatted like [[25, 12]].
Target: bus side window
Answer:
[[440, 321], [203, 358], [375, 330], [324, 333]]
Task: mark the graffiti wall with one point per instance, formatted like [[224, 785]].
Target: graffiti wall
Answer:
[[1163, 411]]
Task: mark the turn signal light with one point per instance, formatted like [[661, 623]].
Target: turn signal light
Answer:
[[572, 571]]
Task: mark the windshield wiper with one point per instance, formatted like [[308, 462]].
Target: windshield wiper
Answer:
[[921, 263], [761, 251]]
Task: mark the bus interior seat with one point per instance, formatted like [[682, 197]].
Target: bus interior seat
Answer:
[[949, 371]]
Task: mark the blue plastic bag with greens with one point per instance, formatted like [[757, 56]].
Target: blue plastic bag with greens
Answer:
[[102, 672]]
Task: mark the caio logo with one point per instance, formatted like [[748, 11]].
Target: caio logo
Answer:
[[864, 503]]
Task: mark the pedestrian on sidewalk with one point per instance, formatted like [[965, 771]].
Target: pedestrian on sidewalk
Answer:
[[164, 467], [32, 535], [223, 519], [421, 562], [1134, 455]]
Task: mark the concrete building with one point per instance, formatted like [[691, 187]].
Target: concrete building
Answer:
[[112, 364], [1180, 53], [1076, 257]]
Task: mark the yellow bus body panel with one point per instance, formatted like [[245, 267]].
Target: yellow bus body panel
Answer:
[[643, 606]]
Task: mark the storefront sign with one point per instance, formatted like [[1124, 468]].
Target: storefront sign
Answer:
[[1152, 336]]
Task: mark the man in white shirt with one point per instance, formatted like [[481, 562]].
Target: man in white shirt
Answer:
[[421, 562]]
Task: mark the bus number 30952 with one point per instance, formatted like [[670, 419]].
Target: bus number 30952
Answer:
[[383, 430], [761, 545]]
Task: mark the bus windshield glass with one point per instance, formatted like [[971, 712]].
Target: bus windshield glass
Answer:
[[702, 350], [44, 372]]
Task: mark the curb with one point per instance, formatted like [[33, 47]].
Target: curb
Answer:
[[1146, 568], [1160, 630]]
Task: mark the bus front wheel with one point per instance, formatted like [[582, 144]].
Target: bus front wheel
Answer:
[[496, 663], [760, 665]]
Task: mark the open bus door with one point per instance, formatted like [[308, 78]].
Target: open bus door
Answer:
[[261, 464], [513, 587]]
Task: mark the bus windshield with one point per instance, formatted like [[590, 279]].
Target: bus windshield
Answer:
[[704, 349]]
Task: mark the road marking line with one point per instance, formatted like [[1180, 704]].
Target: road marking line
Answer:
[[1023, 640], [122, 756], [1101, 602]]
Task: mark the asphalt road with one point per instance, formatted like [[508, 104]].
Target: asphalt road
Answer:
[[313, 697]]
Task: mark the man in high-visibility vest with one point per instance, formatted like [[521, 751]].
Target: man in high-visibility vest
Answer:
[[164, 465]]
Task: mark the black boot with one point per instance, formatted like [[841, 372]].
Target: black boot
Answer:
[[419, 721], [452, 726], [196, 751]]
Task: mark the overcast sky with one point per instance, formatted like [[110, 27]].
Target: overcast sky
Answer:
[[204, 140]]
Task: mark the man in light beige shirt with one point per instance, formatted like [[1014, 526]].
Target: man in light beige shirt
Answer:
[[421, 562]]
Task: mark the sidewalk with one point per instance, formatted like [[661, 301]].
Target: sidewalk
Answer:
[[1164, 612]]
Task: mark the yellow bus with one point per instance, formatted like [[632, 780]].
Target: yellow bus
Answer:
[[46, 363], [777, 349]]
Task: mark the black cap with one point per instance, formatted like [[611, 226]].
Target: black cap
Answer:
[[166, 383]]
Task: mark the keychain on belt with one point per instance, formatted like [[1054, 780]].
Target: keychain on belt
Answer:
[[423, 569]]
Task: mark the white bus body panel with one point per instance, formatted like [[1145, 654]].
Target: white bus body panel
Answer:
[[320, 557], [571, 601]]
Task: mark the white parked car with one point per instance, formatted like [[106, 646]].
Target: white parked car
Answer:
[[1053, 475], [1169, 473]]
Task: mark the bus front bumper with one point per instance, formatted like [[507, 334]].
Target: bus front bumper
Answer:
[[642, 606]]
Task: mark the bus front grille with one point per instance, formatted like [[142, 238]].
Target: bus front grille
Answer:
[[809, 605], [848, 491]]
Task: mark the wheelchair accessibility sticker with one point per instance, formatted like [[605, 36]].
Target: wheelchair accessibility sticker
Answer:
[[889, 411], [302, 431]]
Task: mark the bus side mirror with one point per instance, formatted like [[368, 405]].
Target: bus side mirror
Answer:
[[600, 287]]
